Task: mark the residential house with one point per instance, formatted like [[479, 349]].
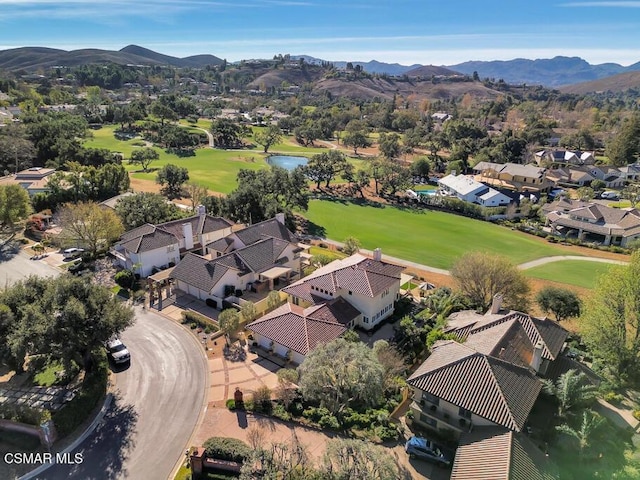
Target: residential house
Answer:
[[570, 177], [469, 190], [611, 176], [489, 453], [631, 173], [564, 157], [489, 380], [513, 176], [111, 202], [255, 258], [33, 180], [292, 331], [370, 285], [593, 221], [150, 247]]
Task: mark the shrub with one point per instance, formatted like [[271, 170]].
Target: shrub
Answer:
[[125, 278], [231, 404], [613, 397], [262, 399], [551, 238], [200, 321], [224, 448], [329, 421], [636, 414], [93, 389], [280, 412]]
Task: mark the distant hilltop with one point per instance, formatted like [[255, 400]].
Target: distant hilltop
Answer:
[[555, 72]]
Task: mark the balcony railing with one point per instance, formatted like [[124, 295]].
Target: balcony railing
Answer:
[[453, 421]]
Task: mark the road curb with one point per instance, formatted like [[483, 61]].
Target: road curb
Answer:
[[89, 430]]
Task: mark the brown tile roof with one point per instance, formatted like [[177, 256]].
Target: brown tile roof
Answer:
[[489, 387], [356, 273], [563, 364], [493, 453], [293, 327], [507, 341], [335, 311]]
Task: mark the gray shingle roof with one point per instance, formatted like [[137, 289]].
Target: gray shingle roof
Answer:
[[200, 272], [156, 238], [492, 453], [490, 388], [267, 228]]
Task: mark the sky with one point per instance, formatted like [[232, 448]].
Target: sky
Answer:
[[428, 32]]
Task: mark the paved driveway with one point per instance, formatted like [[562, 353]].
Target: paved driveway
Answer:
[[16, 264]]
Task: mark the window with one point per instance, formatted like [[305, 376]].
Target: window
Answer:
[[424, 418], [464, 413], [430, 398]]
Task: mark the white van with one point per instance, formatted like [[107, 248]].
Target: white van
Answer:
[[610, 195], [72, 252]]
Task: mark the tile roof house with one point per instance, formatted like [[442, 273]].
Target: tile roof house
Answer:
[[565, 157], [292, 331], [469, 190], [492, 378], [490, 453], [593, 221], [513, 176], [369, 284], [157, 246], [231, 265]]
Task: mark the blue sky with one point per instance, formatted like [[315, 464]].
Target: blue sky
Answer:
[[405, 31]]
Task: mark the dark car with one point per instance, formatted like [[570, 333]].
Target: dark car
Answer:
[[424, 449]]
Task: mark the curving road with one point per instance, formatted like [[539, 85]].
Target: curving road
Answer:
[[157, 404], [560, 258]]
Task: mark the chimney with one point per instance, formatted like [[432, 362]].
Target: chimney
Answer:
[[496, 304], [377, 254], [280, 218], [536, 360], [187, 232], [202, 210]]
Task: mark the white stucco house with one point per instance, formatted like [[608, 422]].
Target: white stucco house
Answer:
[[467, 189], [160, 246]]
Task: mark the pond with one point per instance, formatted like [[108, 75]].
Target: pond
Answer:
[[286, 161]]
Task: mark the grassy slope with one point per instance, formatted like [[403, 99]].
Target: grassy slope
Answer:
[[573, 272], [431, 238]]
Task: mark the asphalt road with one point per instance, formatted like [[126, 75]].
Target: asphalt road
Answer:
[[159, 398], [16, 265]]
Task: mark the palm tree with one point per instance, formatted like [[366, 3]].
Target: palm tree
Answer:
[[591, 421], [572, 389]]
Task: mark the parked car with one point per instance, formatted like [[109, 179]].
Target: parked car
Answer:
[[610, 195], [72, 253], [117, 351], [556, 192], [424, 449]]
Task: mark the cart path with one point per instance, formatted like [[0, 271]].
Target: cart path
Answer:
[[522, 266]]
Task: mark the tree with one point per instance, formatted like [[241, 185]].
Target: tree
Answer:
[[632, 193], [598, 185], [248, 311], [268, 136], [356, 139], [286, 390], [15, 205], [392, 363], [196, 193], [480, 276], [16, 151], [171, 177], [89, 225], [610, 323], [341, 374], [420, 168], [625, 147], [163, 111], [66, 318], [324, 167], [572, 390], [146, 207], [273, 299], [561, 302], [591, 422], [144, 157], [358, 460], [351, 245], [226, 133], [585, 193], [389, 145], [229, 321]]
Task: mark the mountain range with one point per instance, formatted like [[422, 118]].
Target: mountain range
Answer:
[[555, 72]]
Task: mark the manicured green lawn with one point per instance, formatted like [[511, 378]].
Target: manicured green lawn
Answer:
[[428, 237], [573, 272]]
